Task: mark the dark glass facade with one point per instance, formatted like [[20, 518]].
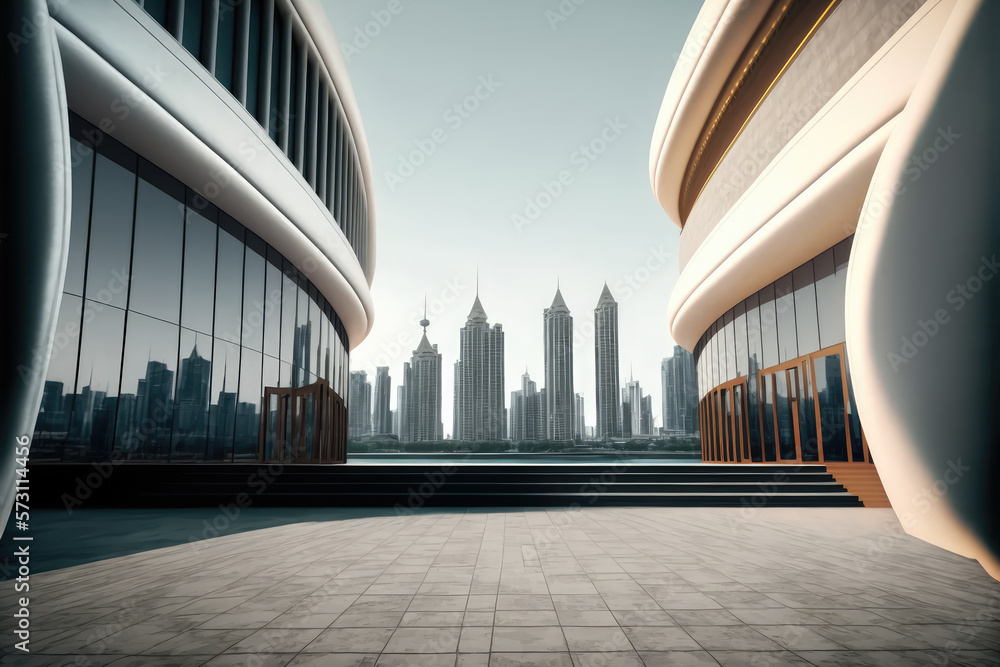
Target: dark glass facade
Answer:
[[261, 55], [174, 318], [773, 374]]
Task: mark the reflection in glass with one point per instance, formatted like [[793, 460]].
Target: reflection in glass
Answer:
[[729, 346], [272, 307], [248, 408], [159, 233], [783, 413], [289, 299], [806, 322], [808, 442], [277, 49], [741, 343], [223, 396], [253, 56], [82, 158], [315, 337], [145, 405], [229, 281], [768, 327], [853, 421], [198, 287], [784, 305], [829, 396], [109, 264], [52, 425], [302, 342], [767, 406], [254, 303], [92, 425], [190, 430]]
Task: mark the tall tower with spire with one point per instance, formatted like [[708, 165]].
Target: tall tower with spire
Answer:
[[422, 391], [606, 366], [559, 396], [480, 413]]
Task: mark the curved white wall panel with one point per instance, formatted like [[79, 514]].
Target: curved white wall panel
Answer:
[[808, 197], [923, 298]]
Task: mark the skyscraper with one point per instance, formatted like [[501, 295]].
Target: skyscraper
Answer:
[[579, 425], [606, 366], [526, 423], [359, 405], [479, 381], [422, 392], [559, 395], [381, 411], [680, 392], [632, 397]]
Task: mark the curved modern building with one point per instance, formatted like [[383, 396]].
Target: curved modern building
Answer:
[[217, 243], [790, 133]]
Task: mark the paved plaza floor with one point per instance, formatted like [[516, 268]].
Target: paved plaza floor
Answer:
[[591, 586]]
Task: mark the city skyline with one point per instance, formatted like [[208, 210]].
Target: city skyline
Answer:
[[526, 128]]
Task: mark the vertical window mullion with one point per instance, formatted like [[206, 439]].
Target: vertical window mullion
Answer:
[[323, 108], [175, 18], [301, 114], [284, 119], [209, 35], [312, 122], [265, 83], [242, 51]]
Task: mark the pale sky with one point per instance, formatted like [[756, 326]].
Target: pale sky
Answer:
[[470, 109]]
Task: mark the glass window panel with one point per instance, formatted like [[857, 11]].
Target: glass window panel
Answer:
[[829, 395], [806, 319], [315, 336], [194, 382], [145, 405], [327, 357], [300, 355], [289, 299], [248, 407], [295, 112], [767, 416], [285, 374], [254, 303], [853, 420], [60, 382], [270, 370], [193, 15], [225, 45], [730, 342], [829, 299], [83, 174], [158, 247], [157, 9], [253, 56], [768, 327], [311, 134], [109, 264], [198, 286], [229, 280], [784, 305], [808, 441], [92, 425], [223, 396], [277, 35], [272, 309], [740, 333], [783, 412], [842, 253]]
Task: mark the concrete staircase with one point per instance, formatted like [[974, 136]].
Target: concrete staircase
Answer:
[[438, 485]]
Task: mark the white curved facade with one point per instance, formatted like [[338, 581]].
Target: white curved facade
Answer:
[[770, 153], [222, 245]]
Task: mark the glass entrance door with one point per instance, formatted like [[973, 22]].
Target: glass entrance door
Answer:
[[727, 423]]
